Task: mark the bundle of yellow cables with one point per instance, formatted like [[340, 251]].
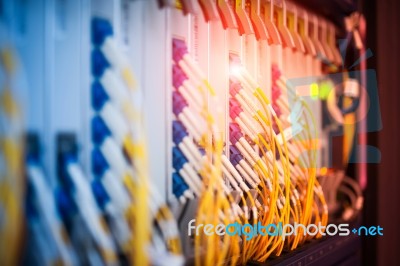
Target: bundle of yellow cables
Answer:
[[288, 190], [12, 184]]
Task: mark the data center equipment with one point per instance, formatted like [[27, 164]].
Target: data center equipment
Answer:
[[131, 129]]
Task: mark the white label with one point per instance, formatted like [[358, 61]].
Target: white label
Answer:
[[352, 88], [289, 133]]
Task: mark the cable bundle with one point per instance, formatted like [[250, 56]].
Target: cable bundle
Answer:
[[11, 159], [201, 143], [121, 151], [257, 133], [267, 167], [78, 208], [44, 221], [302, 153]]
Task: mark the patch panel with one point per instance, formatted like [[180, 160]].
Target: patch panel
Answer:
[[154, 113]]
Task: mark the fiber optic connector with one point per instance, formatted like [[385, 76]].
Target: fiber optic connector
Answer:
[[108, 146], [183, 86], [47, 209], [196, 157], [75, 225], [186, 144], [110, 81], [248, 104], [282, 82], [195, 124], [87, 208], [109, 113], [116, 219], [243, 167], [237, 114], [180, 188], [102, 37], [42, 241], [112, 183], [183, 167], [237, 139], [182, 58]]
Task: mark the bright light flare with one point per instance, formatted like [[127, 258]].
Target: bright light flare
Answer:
[[235, 70]]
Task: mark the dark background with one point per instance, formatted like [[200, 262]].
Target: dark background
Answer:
[[384, 35], [382, 195]]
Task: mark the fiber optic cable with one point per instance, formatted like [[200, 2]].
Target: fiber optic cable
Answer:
[[259, 135], [280, 81], [115, 189], [134, 147], [182, 58], [122, 168], [108, 146], [179, 106], [185, 143], [292, 117], [115, 217], [244, 102], [114, 200], [41, 245], [195, 125], [245, 247], [183, 67], [196, 158], [297, 110], [283, 138], [238, 140], [46, 208], [103, 37], [187, 167], [87, 208], [312, 181], [211, 174], [182, 166], [11, 153], [239, 116], [180, 189], [243, 167], [183, 86], [112, 153], [83, 243], [112, 84], [187, 170]]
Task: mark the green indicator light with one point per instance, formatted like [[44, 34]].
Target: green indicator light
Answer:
[[324, 90], [314, 91]]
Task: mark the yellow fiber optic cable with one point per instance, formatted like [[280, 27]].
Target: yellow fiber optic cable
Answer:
[[264, 100], [12, 179], [136, 149]]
